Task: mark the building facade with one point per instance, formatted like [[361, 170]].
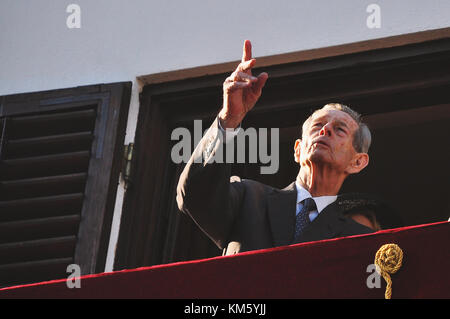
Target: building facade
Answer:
[[85, 84]]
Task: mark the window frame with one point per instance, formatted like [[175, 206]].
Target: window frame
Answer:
[[377, 75]]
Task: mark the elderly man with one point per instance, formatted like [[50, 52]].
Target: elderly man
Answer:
[[241, 215]]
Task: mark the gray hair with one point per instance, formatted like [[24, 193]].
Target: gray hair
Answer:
[[362, 137]]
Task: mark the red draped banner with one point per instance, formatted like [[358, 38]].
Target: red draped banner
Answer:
[[336, 268]]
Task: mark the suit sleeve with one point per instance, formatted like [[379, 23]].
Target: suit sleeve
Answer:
[[205, 191]]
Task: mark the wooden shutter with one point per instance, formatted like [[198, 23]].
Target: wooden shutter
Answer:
[[59, 168]]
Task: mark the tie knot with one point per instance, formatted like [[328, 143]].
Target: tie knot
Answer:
[[309, 204]]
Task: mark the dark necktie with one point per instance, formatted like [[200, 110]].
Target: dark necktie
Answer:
[[302, 219]]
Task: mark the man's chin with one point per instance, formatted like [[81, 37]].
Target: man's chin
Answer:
[[319, 156]]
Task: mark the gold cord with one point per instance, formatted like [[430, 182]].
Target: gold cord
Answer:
[[388, 260]]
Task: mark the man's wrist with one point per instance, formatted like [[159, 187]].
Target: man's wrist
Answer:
[[226, 122], [228, 133], [229, 124]]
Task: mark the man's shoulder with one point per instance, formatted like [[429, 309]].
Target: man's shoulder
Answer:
[[255, 186]]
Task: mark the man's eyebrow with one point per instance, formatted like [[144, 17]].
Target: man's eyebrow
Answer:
[[319, 119], [337, 121], [342, 123]]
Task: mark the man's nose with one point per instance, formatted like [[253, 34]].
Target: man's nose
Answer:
[[326, 130]]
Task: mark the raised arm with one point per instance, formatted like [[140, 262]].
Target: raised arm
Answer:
[[204, 190]]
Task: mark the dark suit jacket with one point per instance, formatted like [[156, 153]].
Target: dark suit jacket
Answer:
[[241, 215]]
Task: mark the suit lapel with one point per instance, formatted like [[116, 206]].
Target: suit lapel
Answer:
[[281, 210]]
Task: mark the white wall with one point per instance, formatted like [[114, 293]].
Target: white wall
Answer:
[[119, 40]]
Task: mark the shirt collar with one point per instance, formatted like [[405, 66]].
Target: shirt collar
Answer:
[[321, 201]]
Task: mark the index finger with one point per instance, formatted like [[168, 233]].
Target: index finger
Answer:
[[247, 51]]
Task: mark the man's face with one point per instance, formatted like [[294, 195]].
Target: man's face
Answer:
[[328, 140]]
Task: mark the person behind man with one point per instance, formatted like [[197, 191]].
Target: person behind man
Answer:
[[241, 215]]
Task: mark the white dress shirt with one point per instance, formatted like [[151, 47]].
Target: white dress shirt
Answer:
[[321, 201]]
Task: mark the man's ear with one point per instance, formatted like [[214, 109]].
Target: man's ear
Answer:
[[359, 161], [297, 148]]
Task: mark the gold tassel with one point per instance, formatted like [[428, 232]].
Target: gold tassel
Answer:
[[388, 260]]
